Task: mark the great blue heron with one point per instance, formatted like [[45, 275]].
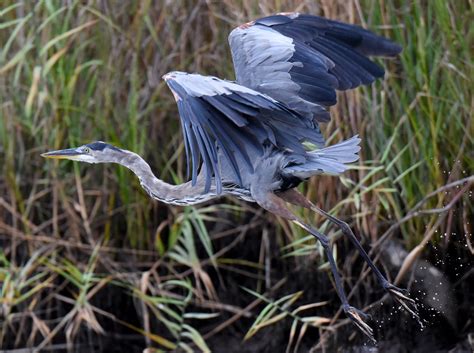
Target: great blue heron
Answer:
[[259, 137]]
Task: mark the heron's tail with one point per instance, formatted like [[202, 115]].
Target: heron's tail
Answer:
[[328, 160]]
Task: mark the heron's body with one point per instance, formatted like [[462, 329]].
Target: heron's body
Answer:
[[257, 138]]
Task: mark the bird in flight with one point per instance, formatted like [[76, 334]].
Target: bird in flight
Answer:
[[258, 137]]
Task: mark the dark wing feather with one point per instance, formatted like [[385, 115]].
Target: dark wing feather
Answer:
[[301, 60], [223, 120]]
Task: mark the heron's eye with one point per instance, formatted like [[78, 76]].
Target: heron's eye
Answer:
[[86, 150]]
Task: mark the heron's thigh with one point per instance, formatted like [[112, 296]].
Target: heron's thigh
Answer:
[[272, 203]]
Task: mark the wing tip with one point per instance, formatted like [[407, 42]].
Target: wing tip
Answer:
[[382, 47]]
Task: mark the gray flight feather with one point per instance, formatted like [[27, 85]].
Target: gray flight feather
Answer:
[[301, 60], [226, 126]]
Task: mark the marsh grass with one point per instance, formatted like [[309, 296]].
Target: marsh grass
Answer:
[[85, 252]]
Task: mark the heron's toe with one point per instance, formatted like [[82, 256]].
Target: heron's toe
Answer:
[[401, 296], [358, 317]]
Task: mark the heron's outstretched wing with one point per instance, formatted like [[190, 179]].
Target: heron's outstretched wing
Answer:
[[301, 60], [221, 119]]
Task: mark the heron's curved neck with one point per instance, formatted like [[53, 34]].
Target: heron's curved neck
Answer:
[[182, 194]]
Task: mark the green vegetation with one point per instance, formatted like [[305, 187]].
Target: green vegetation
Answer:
[[86, 252]]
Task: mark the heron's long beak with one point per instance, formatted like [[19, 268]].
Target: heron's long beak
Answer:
[[70, 153]]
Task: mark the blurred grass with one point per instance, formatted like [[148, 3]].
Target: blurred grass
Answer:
[[77, 71]]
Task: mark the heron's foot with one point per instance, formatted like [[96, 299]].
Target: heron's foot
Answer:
[[401, 296], [358, 317]]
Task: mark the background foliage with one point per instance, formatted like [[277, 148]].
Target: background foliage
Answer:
[[87, 260]]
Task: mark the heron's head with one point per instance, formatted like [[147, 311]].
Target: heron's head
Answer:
[[95, 152]]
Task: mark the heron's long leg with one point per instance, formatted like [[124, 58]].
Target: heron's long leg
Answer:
[[296, 198], [399, 294], [276, 205], [356, 315]]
